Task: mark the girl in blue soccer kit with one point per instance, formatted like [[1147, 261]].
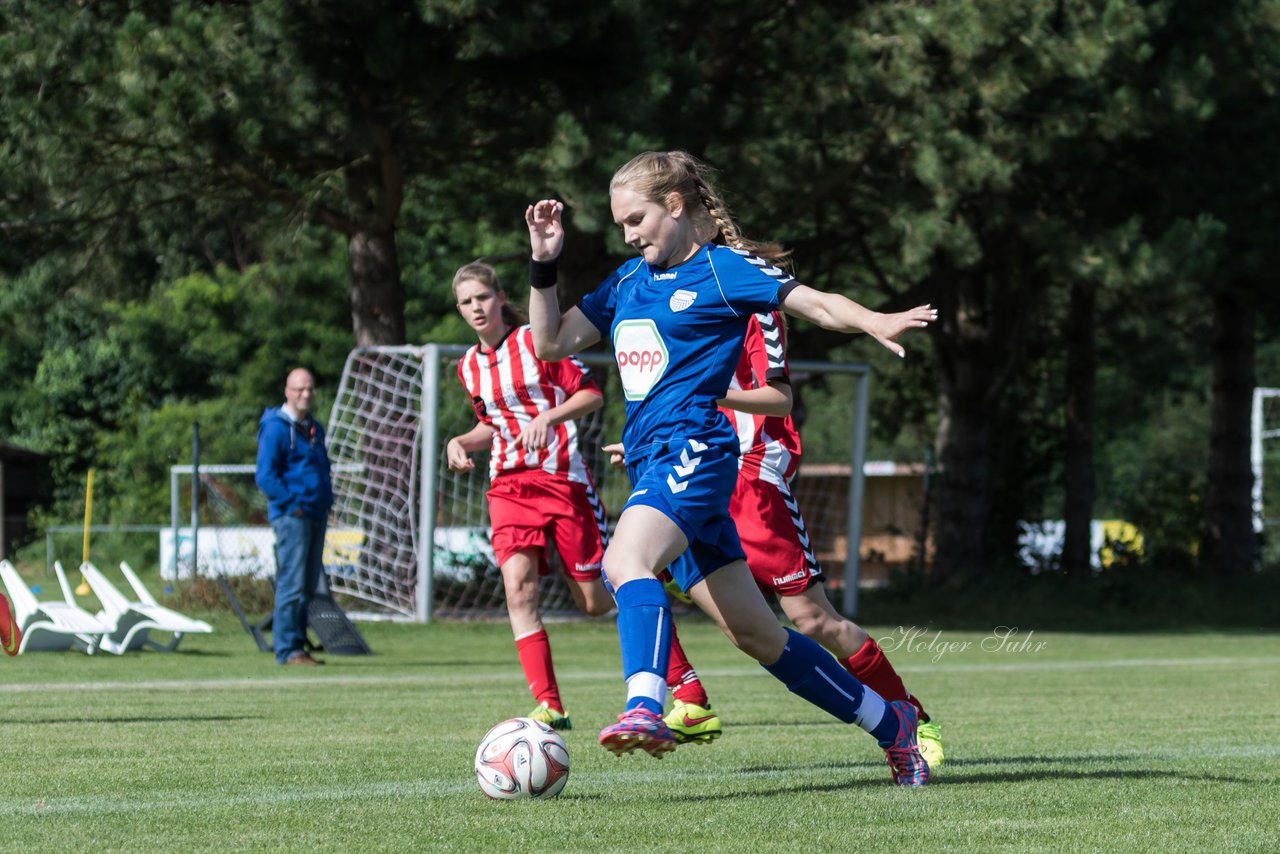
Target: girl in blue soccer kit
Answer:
[[676, 317]]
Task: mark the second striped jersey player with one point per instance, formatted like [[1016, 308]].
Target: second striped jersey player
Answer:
[[774, 536]]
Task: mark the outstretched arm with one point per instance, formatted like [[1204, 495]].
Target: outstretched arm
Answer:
[[841, 314], [554, 335]]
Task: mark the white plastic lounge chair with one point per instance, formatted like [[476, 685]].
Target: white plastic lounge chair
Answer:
[[169, 617], [51, 625], [130, 622]]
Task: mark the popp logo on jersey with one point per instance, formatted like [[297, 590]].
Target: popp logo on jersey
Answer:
[[642, 356]]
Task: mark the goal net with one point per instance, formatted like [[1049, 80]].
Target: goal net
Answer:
[[395, 409]]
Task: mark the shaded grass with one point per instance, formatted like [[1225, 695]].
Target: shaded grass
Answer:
[[1056, 741]]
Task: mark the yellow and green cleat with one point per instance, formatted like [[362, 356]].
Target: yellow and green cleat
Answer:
[[929, 737], [673, 589], [690, 722], [550, 717]]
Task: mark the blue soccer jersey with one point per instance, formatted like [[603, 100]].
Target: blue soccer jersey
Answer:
[[677, 336]]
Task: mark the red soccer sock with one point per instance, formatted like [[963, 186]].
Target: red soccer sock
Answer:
[[682, 678], [870, 667], [535, 659]]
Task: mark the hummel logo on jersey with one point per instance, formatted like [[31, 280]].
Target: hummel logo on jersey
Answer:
[[786, 579], [772, 338], [664, 277], [686, 467], [765, 267], [682, 299]]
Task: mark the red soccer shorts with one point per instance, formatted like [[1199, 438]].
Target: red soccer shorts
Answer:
[[532, 509], [779, 553]]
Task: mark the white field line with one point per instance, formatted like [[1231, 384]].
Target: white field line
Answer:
[[282, 682], [1218, 661], [253, 797]]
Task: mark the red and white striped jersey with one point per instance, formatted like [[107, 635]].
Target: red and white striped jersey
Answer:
[[770, 446], [509, 386]]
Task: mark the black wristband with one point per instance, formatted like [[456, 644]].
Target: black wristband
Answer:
[[543, 274]]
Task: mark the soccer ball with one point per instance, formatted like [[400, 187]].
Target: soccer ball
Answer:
[[522, 758]]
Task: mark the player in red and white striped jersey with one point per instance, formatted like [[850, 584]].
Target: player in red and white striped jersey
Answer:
[[513, 392], [540, 489], [772, 530]]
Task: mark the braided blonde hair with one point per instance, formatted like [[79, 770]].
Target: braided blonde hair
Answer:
[[488, 276], [655, 175]]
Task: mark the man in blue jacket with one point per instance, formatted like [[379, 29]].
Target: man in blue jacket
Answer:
[[293, 472]]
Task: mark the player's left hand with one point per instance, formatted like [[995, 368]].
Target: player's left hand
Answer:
[[546, 230], [534, 436], [889, 326]]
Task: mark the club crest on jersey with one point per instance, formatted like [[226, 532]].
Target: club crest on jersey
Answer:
[[641, 355], [682, 299]]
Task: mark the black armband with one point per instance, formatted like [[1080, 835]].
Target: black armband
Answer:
[[543, 274]]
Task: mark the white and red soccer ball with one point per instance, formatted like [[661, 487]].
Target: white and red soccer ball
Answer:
[[522, 758]]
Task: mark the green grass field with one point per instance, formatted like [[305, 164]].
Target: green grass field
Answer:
[[1143, 742]]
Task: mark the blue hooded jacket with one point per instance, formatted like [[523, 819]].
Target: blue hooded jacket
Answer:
[[293, 466]]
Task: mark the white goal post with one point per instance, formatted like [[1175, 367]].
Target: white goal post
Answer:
[[1264, 457]]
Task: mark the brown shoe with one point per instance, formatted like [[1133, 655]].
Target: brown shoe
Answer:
[[302, 658]]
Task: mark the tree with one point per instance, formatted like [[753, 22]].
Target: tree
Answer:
[[991, 124], [946, 152], [321, 112], [1078, 475], [1237, 143], [118, 382], [1213, 81]]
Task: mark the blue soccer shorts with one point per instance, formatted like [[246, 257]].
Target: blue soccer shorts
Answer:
[[690, 483]]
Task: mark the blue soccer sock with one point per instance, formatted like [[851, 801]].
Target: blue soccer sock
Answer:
[[810, 672], [644, 634]]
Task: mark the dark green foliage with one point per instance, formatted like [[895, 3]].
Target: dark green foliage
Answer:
[[117, 385], [195, 197]]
